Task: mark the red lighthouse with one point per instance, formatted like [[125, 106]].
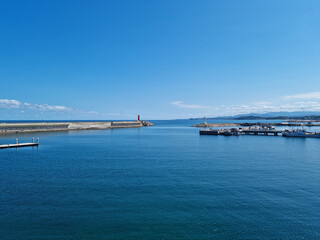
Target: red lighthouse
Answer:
[[139, 117]]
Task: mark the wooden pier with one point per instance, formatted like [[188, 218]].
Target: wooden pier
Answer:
[[19, 145]]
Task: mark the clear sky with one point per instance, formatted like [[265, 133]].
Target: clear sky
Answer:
[[163, 59]]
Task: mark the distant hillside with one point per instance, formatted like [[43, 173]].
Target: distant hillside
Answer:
[[270, 116], [312, 117], [280, 114]]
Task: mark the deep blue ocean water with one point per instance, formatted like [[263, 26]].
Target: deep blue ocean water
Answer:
[[161, 182]]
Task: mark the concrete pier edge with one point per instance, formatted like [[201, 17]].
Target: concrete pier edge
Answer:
[[12, 128]]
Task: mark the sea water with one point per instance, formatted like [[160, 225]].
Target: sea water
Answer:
[[161, 182]]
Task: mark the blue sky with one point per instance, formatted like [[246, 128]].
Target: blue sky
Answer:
[[161, 59]]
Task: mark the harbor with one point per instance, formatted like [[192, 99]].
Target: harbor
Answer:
[[111, 168], [259, 128], [160, 120], [260, 131]]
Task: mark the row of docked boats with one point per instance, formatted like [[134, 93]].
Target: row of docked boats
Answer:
[[236, 131], [300, 133]]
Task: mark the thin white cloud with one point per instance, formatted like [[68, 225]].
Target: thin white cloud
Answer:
[[23, 106], [311, 95], [272, 107], [294, 103], [15, 104], [182, 105], [308, 102], [7, 103]]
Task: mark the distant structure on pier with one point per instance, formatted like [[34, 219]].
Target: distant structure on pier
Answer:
[[138, 117], [205, 120]]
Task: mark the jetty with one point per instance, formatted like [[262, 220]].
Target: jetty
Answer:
[[19, 145], [13, 128]]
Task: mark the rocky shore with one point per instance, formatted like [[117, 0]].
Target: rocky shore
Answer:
[[146, 123]]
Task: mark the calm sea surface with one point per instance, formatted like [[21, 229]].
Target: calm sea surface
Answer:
[[161, 182]]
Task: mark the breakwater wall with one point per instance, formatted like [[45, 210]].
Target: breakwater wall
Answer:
[[7, 128]]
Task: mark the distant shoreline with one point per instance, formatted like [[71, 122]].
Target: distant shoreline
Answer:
[[253, 117], [288, 124]]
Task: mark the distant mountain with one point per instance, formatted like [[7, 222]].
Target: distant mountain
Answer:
[[277, 114], [270, 116]]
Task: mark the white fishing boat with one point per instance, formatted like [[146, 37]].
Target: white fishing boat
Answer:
[[300, 133]]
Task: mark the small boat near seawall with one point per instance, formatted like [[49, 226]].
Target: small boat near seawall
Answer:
[[209, 132], [225, 132]]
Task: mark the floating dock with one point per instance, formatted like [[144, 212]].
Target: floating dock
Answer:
[[19, 145]]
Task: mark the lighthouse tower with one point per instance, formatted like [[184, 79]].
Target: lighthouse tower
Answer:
[[138, 117]]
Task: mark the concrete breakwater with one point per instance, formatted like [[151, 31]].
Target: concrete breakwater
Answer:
[[7, 128]]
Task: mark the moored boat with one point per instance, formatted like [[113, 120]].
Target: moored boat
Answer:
[[227, 132], [209, 132], [300, 133]]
